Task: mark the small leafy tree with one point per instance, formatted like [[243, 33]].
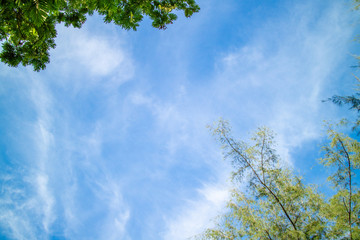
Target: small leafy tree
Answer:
[[271, 202], [27, 27]]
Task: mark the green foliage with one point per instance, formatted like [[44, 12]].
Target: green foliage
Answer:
[[342, 155], [27, 27], [271, 202]]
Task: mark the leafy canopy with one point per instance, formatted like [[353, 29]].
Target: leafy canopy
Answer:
[[27, 27]]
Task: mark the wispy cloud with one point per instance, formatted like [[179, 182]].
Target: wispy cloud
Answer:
[[47, 201], [118, 214], [43, 138], [195, 215], [92, 60], [15, 218], [28, 195]]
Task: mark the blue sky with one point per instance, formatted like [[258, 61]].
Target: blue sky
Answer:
[[110, 141]]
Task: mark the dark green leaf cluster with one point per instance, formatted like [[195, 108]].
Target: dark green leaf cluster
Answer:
[[27, 27]]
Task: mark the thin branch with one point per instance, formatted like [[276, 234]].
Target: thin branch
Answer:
[[350, 190], [297, 218], [262, 159], [268, 234], [345, 205]]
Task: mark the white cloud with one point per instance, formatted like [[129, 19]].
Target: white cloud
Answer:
[[171, 119], [92, 60], [97, 56], [196, 215], [118, 214], [20, 226], [47, 201], [101, 57], [15, 217], [44, 140]]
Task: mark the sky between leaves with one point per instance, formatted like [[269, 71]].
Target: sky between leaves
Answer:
[[110, 141]]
